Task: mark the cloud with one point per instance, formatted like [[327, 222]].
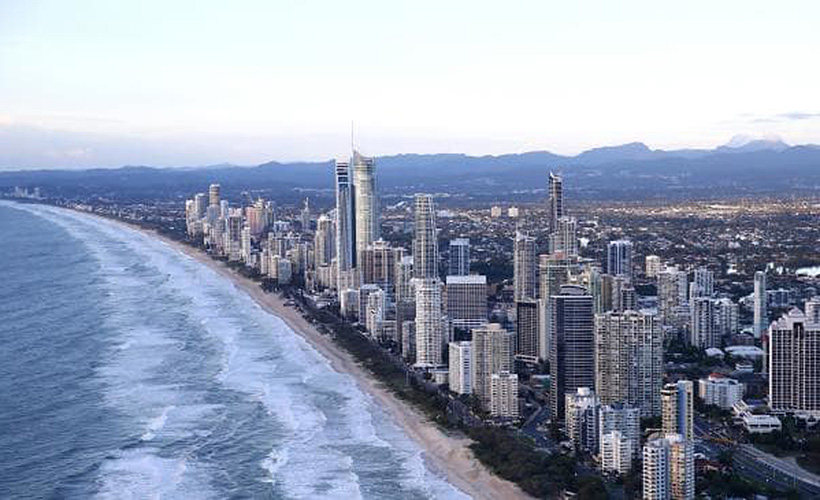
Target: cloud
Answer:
[[785, 117]]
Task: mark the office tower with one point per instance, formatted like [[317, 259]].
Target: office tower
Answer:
[[564, 238], [555, 200], [669, 469], [794, 363], [492, 353], [581, 416], [619, 258], [572, 345], [524, 264], [616, 453], [459, 257], [461, 367], [623, 419], [425, 244], [677, 408], [345, 226], [366, 202], [377, 263], [813, 309], [629, 360], [761, 311], [702, 328], [504, 395], [467, 301], [324, 245], [672, 285], [213, 195], [703, 284], [726, 317], [429, 328], [527, 331], [653, 266]]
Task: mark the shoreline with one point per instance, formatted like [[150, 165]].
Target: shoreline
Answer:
[[446, 455]]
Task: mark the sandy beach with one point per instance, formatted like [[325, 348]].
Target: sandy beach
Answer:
[[447, 454]]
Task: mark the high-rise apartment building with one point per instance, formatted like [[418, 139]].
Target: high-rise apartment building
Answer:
[[365, 202], [572, 345], [429, 326], [459, 264], [619, 258], [623, 419], [581, 417], [527, 330], [213, 195], [524, 264], [504, 395], [761, 311], [461, 367], [564, 239], [467, 300], [324, 244], [555, 200], [378, 265], [677, 401], [555, 270], [629, 360], [703, 284], [669, 469], [672, 291], [492, 353], [703, 325], [794, 364], [345, 226], [653, 266], [425, 244]]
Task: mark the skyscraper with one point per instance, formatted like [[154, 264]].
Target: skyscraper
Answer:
[[554, 270], [492, 353], [629, 360], [459, 257], [677, 408], [703, 284], [564, 238], [345, 225], [619, 258], [324, 245], [467, 300], [794, 363], [527, 330], [429, 327], [524, 264], [366, 202], [555, 200], [581, 416], [425, 244], [669, 469], [624, 419], [703, 327], [572, 347], [213, 195], [672, 285], [378, 265], [761, 317], [504, 395], [461, 367]]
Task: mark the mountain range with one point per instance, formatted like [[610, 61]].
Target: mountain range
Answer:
[[743, 167]]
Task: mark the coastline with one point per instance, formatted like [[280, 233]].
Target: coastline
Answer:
[[446, 454]]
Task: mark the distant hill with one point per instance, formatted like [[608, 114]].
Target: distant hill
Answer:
[[630, 171]]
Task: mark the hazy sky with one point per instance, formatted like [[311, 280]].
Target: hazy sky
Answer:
[[106, 83]]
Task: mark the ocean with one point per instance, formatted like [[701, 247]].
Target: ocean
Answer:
[[129, 370]]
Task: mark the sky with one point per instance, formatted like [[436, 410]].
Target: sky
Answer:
[[173, 83]]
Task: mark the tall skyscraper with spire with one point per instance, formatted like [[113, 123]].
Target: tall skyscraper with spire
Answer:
[[366, 203], [556, 200], [425, 244], [345, 223]]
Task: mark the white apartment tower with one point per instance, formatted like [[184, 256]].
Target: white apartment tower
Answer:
[[492, 353], [366, 202], [504, 395], [461, 367], [794, 364], [761, 318], [429, 327], [677, 401]]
